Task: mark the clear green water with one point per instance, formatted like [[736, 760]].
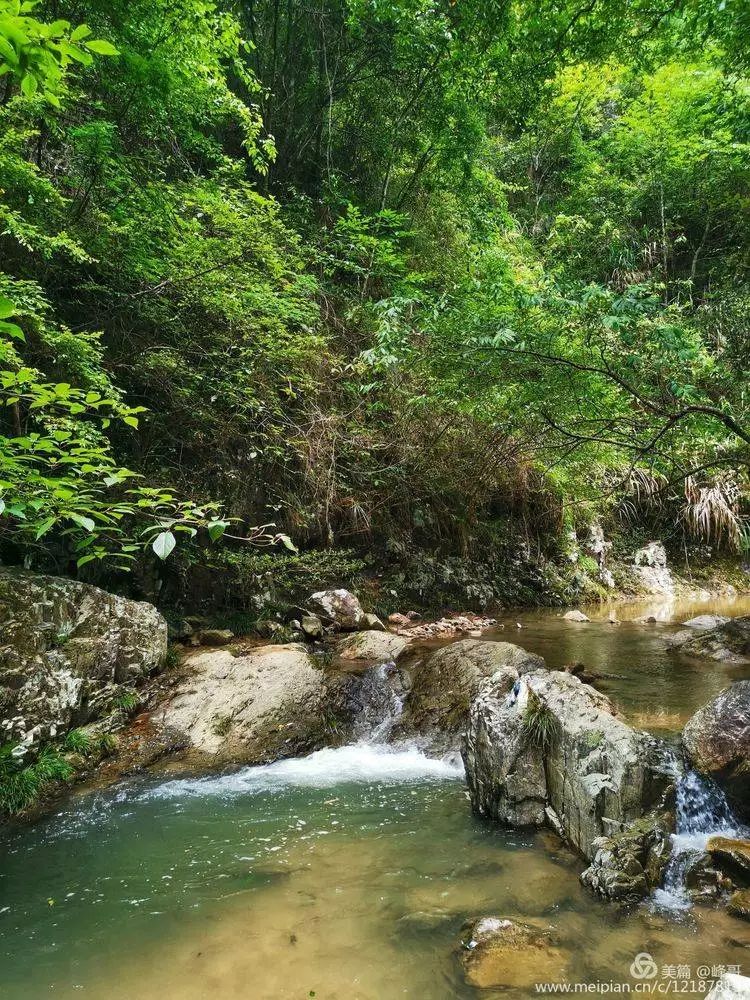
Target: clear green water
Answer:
[[347, 875]]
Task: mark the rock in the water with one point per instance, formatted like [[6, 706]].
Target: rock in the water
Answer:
[[629, 865], [576, 616], [266, 704], [704, 622], [444, 685], [732, 855], [497, 952], [717, 742], [67, 647], [543, 740], [739, 904], [374, 647], [730, 987], [728, 642], [339, 608], [216, 636]]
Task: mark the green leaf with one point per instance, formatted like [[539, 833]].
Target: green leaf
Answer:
[[44, 527], [131, 421], [6, 308], [101, 47], [83, 522], [287, 542], [163, 544], [216, 529]]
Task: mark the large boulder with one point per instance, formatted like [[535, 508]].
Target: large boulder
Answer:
[[717, 742], [372, 646], [497, 953], [542, 747], [271, 702], [444, 685], [67, 650], [728, 642], [338, 608]]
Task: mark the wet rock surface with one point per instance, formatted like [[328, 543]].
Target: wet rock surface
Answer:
[[544, 748], [728, 642], [68, 649], [717, 742], [496, 952], [629, 865]]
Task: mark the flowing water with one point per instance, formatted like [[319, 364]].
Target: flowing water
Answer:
[[345, 875]]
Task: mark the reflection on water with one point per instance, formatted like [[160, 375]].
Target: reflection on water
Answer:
[[654, 689], [346, 875]]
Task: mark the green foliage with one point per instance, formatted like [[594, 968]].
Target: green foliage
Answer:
[[539, 727], [368, 277], [21, 784]]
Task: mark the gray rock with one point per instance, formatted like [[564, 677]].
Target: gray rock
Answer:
[[444, 685], [705, 622], [717, 742], [339, 608], [499, 953], [629, 865], [730, 987], [652, 554], [374, 647], [311, 626], [728, 642], [544, 739], [216, 636], [372, 622], [269, 703], [67, 647], [576, 616]]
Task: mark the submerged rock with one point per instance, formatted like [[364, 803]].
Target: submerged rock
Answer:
[[717, 742], [339, 608], [728, 642], [739, 904], [444, 685], [496, 953], [372, 646], [67, 648], [543, 747], [271, 702]]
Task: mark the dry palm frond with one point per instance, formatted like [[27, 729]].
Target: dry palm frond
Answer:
[[712, 514]]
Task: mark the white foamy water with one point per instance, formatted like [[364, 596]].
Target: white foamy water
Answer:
[[359, 762], [702, 812]]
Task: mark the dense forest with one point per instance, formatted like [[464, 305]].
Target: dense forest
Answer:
[[291, 287]]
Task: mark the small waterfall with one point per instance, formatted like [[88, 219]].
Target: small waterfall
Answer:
[[702, 812], [382, 700]]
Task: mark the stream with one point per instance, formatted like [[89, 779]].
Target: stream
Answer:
[[347, 875]]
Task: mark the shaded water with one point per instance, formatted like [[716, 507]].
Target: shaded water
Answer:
[[344, 875]]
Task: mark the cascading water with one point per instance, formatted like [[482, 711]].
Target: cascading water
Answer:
[[382, 700], [702, 812]]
